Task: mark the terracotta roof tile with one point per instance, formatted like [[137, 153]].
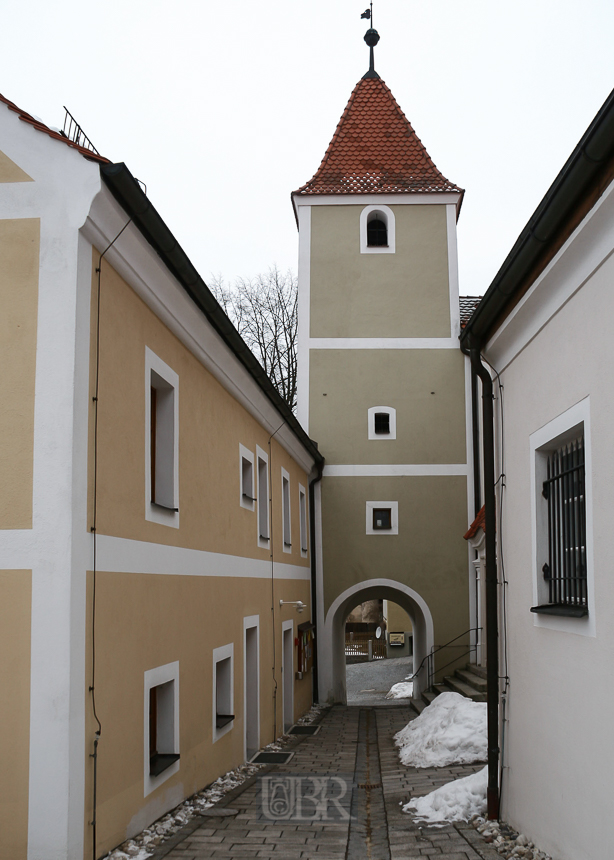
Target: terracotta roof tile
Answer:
[[375, 150], [40, 126], [467, 306], [478, 523]]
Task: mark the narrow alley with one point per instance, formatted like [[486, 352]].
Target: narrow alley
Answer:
[[338, 797]]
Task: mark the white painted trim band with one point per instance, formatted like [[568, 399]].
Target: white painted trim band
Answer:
[[383, 343], [122, 555], [432, 198], [396, 470]]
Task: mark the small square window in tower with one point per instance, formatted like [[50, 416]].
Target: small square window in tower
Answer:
[[382, 519], [382, 423]]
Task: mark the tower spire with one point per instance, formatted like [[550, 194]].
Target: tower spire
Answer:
[[371, 38]]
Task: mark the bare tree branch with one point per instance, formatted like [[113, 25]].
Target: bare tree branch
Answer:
[[264, 311]]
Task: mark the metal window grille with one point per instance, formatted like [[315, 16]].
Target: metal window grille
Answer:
[[564, 490]]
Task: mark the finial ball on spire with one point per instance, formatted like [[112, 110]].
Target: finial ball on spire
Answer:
[[371, 38]]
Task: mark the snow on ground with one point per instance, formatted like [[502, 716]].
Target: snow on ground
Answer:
[[451, 730], [456, 801], [402, 690]]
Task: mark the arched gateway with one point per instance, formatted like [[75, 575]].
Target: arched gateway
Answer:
[[332, 636]]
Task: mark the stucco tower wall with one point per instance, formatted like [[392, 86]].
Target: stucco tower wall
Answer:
[[380, 330]]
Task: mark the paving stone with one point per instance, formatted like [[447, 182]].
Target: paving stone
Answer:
[[354, 745]]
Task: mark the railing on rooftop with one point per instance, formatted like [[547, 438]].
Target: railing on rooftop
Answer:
[[73, 131]]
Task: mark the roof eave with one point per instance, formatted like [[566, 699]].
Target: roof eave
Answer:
[[459, 193], [128, 193]]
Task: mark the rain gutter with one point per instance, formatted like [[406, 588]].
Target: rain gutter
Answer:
[[314, 584], [492, 616]]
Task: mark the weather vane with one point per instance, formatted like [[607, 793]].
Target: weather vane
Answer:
[[368, 13], [371, 38]]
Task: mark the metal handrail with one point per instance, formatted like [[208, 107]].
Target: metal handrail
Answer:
[[435, 649]]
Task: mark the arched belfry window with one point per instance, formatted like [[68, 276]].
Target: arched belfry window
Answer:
[[377, 230]]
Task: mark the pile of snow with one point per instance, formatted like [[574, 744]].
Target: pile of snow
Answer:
[[451, 730], [456, 801], [402, 690]]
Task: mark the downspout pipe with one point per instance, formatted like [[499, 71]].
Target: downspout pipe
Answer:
[[492, 617], [475, 428], [314, 594]]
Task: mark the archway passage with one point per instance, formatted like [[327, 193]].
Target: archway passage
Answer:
[[331, 646]]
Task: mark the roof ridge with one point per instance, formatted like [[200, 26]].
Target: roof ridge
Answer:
[[375, 149], [39, 125]]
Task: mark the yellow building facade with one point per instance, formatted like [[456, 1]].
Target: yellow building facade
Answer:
[[154, 516]]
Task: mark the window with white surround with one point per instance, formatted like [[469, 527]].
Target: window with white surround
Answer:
[[251, 685], [382, 518], [563, 519], [285, 511], [161, 725], [382, 422], [262, 497], [247, 498], [302, 508], [161, 441], [377, 230], [223, 695]]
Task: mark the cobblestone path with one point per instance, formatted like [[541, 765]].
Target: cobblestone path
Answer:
[[339, 798]]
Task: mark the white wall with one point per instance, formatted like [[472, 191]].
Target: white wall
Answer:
[[556, 350]]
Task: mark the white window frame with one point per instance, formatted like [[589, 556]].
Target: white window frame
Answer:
[[263, 504], [153, 512], [286, 512], [285, 670], [251, 622], [224, 652], [154, 678], [246, 456], [388, 217], [394, 518], [302, 512], [565, 427], [392, 415]]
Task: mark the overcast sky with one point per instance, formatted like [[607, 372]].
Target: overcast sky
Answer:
[[223, 108]]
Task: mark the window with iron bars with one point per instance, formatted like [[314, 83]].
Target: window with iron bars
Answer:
[[564, 492]]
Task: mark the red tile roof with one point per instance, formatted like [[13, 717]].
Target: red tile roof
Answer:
[[375, 149], [478, 523], [467, 306], [40, 126]]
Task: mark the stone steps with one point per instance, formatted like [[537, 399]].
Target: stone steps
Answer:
[[469, 676], [469, 682]]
